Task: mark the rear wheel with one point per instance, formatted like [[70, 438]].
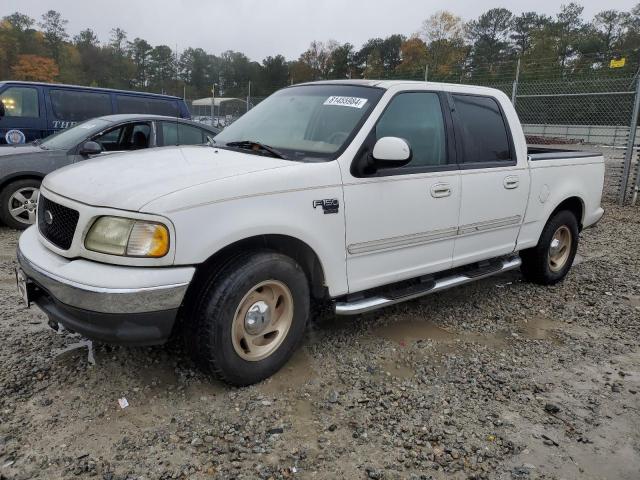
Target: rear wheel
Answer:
[[19, 202], [549, 262], [249, 317]]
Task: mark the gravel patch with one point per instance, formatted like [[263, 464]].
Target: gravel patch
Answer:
[[499, 379]]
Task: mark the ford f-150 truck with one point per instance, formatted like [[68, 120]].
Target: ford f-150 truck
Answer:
[[363, 193]]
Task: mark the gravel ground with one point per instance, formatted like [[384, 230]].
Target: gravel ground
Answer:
[[500, 379]]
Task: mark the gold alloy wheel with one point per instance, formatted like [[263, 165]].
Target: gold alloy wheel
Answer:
[[560, 248], [262, 320]]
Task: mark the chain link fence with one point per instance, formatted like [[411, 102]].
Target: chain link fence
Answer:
[[580, 114]]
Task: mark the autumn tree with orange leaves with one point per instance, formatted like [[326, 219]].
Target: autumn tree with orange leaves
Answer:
[[35, 68]]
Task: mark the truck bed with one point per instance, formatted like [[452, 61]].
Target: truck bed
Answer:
[[542, 153]]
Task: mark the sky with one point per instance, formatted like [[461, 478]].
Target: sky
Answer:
[[260, 28]]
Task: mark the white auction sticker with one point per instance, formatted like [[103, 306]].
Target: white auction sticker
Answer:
[[354, 102]]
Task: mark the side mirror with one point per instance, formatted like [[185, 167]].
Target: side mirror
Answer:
[[2, 109], [90, 148], [391, 152]]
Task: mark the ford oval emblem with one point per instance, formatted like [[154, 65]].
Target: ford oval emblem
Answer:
[[48, 217]]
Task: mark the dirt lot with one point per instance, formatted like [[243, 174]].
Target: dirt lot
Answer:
[[501, 379]]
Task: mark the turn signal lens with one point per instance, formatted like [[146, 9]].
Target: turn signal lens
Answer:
[[148, 240], [128, 237]]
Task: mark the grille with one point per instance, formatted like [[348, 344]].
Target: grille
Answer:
[[63, 222]]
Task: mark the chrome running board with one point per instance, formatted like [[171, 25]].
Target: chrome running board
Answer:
[[368, 304]]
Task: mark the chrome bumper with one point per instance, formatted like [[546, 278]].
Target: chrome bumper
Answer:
[[150, 294]]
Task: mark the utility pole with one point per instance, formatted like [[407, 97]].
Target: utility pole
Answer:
[[426, 73]]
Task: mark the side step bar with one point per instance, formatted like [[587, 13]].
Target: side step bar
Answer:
[[363, 305]]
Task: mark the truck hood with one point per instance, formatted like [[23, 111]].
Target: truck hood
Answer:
[[131, 180]]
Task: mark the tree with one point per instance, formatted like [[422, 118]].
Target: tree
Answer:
[[54, 30], [489, 34], [611, 27], [375, 65], [118, 41], [342, 62], [568, 25], [161, 67], [442, 25], [524, 28], [19, 21], [275, 74], [443, 35], [35, 68], [318, 57], [414, 59], [139, 51], [87, 39]]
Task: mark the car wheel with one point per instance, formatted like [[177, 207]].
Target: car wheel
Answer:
[[549, 262], [249, 317], [19, 202]]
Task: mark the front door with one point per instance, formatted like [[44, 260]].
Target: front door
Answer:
[[494, 185], [402, 222]]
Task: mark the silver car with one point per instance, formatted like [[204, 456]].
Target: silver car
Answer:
[[23, 167]]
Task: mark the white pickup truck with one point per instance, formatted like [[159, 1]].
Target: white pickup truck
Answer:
[[365, 193]]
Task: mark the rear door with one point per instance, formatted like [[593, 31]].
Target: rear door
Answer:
[[494, 186], [401, 223]]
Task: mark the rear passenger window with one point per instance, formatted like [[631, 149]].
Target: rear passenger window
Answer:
[[180, 134], [20, 102], [484, 131], [76, 106], [150, 106], [417, 118]]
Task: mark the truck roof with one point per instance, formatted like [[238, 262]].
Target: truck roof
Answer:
[[386, 84], [82, 87]]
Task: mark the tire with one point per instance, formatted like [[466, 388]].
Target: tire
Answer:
[[238, 346], [18, 203], [549, 262]]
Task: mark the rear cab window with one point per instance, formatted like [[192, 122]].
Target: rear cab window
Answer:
[[484, 139]]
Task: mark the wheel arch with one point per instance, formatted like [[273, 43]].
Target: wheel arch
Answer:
[[287, 245], [20, 176], [575, 205]]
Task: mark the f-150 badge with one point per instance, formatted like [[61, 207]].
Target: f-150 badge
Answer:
[[329, 205]]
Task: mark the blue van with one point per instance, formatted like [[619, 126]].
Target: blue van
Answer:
[[30, 110]]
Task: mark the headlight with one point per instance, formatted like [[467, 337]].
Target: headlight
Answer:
[[128, 237]]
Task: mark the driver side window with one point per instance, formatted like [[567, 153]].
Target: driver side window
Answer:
[[417, 118], [132, 136]]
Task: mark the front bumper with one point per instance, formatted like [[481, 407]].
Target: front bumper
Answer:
[[109, 303]]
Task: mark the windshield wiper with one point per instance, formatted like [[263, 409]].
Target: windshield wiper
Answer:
[[251, 145]]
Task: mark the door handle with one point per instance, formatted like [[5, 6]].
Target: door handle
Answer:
[[511, 182], [440, 190]]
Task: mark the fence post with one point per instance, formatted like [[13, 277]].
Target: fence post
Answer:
[[514, 91], [213, 103], [249, 96], [631, 141]]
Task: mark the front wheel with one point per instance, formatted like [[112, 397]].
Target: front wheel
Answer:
[[19, 202], [249, 317], [549, 262]]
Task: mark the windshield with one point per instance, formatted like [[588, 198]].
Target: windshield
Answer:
[[69, 138], [308, 121]]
